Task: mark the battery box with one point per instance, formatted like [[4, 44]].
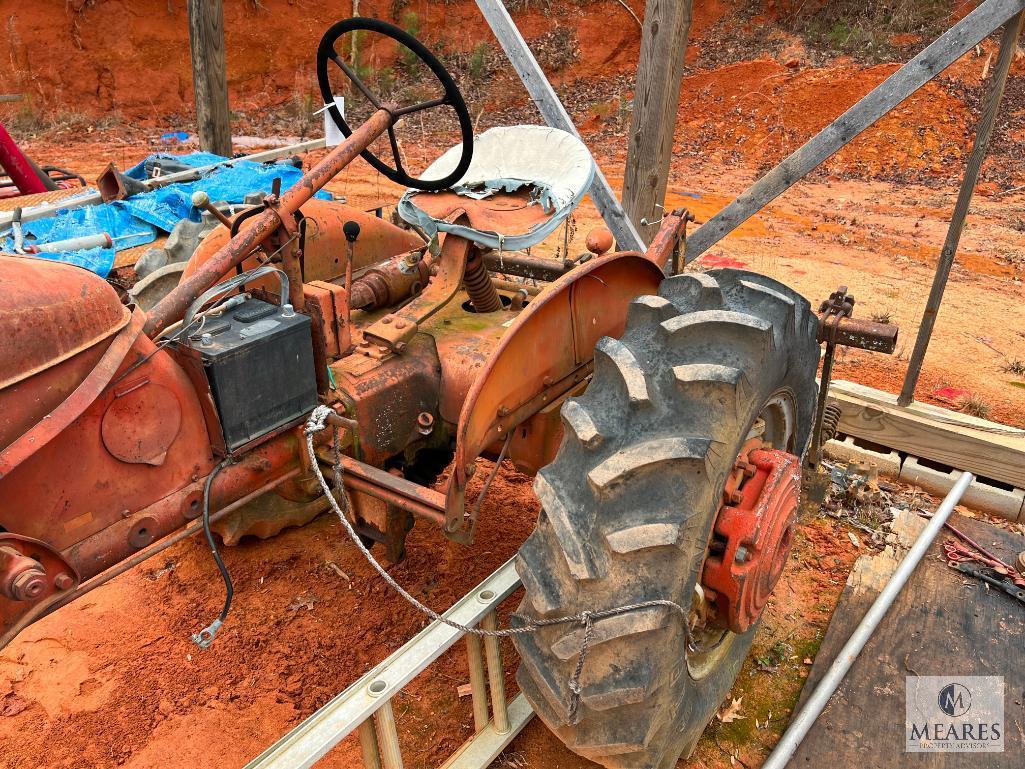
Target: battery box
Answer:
[[258, 359]]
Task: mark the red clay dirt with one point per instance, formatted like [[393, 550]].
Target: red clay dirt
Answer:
[[113, 679]]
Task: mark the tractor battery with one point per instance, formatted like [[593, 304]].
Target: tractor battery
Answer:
[[258, 360]]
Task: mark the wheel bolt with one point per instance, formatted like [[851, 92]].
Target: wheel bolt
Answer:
[[63, 581], [29, 585]]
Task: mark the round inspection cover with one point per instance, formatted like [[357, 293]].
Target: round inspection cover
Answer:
[[143, 532], [140, 425]]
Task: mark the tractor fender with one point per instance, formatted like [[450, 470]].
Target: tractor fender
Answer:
[[546, 353]]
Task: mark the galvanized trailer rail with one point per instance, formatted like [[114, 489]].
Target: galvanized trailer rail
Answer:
[[366, 705]]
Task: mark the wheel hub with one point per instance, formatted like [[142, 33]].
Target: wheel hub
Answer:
[[753, 534]]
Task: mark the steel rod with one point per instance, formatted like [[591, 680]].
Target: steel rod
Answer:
[[496, 674], [478, 682], [388, 737], [804, 720], [1008, 47], [815, 453], [939, 55], [368, 745]]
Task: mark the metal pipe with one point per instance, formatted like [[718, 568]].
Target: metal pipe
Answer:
[[172, 306], [855, 332], [496, 674], [23, 172], [525, 266], [815, 452], [388, 737], [1008, 47], [45, 210], [478, 681], [804, 720]]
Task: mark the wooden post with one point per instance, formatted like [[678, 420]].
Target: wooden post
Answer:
[[1008, 46], [656, 100], [209, 75]]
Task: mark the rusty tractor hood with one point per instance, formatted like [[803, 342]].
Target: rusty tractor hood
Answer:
[[49, 312]]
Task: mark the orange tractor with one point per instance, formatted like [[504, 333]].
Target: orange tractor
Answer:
[[665, 417]]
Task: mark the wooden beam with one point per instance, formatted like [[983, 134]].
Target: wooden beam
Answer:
[[555, 114], [209, 75], [656, 100], [986, 449], [1008, 49], [943, 52], [941, 624]]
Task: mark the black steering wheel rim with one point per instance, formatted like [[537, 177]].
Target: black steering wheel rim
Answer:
[[326, 53]]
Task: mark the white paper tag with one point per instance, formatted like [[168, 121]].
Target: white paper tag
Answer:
[[332, 134]]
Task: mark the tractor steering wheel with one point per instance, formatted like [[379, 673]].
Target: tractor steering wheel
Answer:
[[326, 52]]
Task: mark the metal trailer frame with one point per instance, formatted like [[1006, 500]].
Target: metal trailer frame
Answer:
[[366, 705]]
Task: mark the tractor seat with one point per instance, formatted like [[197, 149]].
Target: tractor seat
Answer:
[[522, 182]]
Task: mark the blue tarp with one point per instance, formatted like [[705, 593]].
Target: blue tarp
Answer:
[[136, 220]]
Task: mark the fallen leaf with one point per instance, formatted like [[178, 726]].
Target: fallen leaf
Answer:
[[854, 539], [13, 705], [731, 713], [807, 660]]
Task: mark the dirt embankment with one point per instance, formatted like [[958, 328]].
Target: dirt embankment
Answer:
[[753, 91]]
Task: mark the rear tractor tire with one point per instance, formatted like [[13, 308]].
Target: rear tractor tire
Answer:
[[629, 503]]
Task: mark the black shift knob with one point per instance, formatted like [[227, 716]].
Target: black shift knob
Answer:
[[351, 230]]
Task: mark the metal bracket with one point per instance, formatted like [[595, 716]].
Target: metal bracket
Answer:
[[394, 331]]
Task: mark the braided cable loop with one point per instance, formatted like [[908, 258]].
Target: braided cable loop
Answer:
[[317, 422]]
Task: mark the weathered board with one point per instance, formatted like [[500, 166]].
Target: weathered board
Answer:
[[1008, 53], [987, 449], [656, 102], [209, 75], [941, 624]]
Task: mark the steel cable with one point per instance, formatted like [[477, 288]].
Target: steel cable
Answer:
[[317, 422]]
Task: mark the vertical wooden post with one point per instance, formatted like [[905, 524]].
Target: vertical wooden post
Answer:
[[656, 100], [1008, 46], [209, 75]]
